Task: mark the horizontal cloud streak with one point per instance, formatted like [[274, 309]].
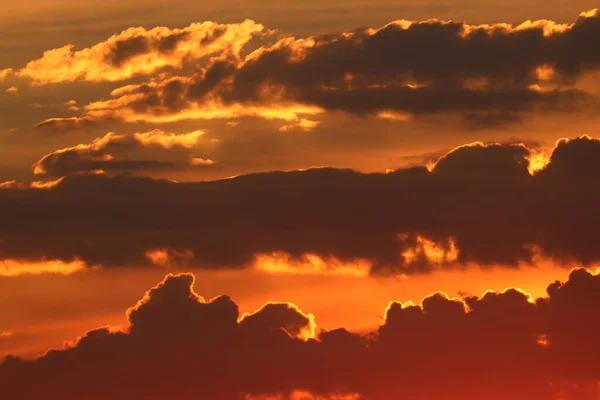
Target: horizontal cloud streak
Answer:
[[478, 204]]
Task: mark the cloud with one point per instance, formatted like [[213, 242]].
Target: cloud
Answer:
[[478, 204], [12, 89], [5, 73], [301, 124], [168, 140], [10, 267], [179, 345], [201, 161], [137, 51], [98, 155], [309, 264], [492, 75]]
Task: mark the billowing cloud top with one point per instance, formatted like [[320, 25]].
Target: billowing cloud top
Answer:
[[178, 345]]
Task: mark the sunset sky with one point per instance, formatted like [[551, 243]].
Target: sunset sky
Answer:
[[277, 200]]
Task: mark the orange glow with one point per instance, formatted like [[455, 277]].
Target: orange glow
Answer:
[[304, 395], [545, 72], [527, 295], [168, 140], [435, 253], [310, 264], [4, 73], [10, 267], [168, 258], [300, 124], [543, 341], [121, 108], [12, 185], [549, 27], [537, 161], [590, 14], [394, 116], [46, 184], [201, 161]]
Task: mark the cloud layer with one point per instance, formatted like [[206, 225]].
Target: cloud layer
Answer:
[[178, 345], [487, 74], [478, 204]]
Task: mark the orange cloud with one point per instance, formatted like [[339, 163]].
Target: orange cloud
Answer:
[[169, 258], [12, 89], [168, 140], [137, 51], [4, 73], [11, 185], [98, 155], [304, 395], [421, 249], [201, 161], [309, 264], [10, 267], [300, 124]]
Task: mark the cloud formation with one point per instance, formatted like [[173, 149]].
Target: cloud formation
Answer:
[[488, 74], [98, 155], [479, 204], [179, 345], [137, 51]]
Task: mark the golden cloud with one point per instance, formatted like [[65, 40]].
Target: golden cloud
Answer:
[[9, 267], [138, 51]]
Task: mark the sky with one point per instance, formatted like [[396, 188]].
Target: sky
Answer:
[[278, 200]]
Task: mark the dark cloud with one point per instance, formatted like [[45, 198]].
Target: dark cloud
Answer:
[[178, 345], [489, 75], [478, 205]]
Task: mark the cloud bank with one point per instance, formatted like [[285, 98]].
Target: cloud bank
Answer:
[[478, 204], [179, 345], [488, 75]]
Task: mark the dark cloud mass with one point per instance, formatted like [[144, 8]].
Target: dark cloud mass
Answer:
[[180, 346], [490, 75], [479, 204]]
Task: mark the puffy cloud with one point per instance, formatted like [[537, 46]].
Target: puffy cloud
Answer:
[[478, 204], [491, 75], [179, 345], [137, 51], [98, 155]]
